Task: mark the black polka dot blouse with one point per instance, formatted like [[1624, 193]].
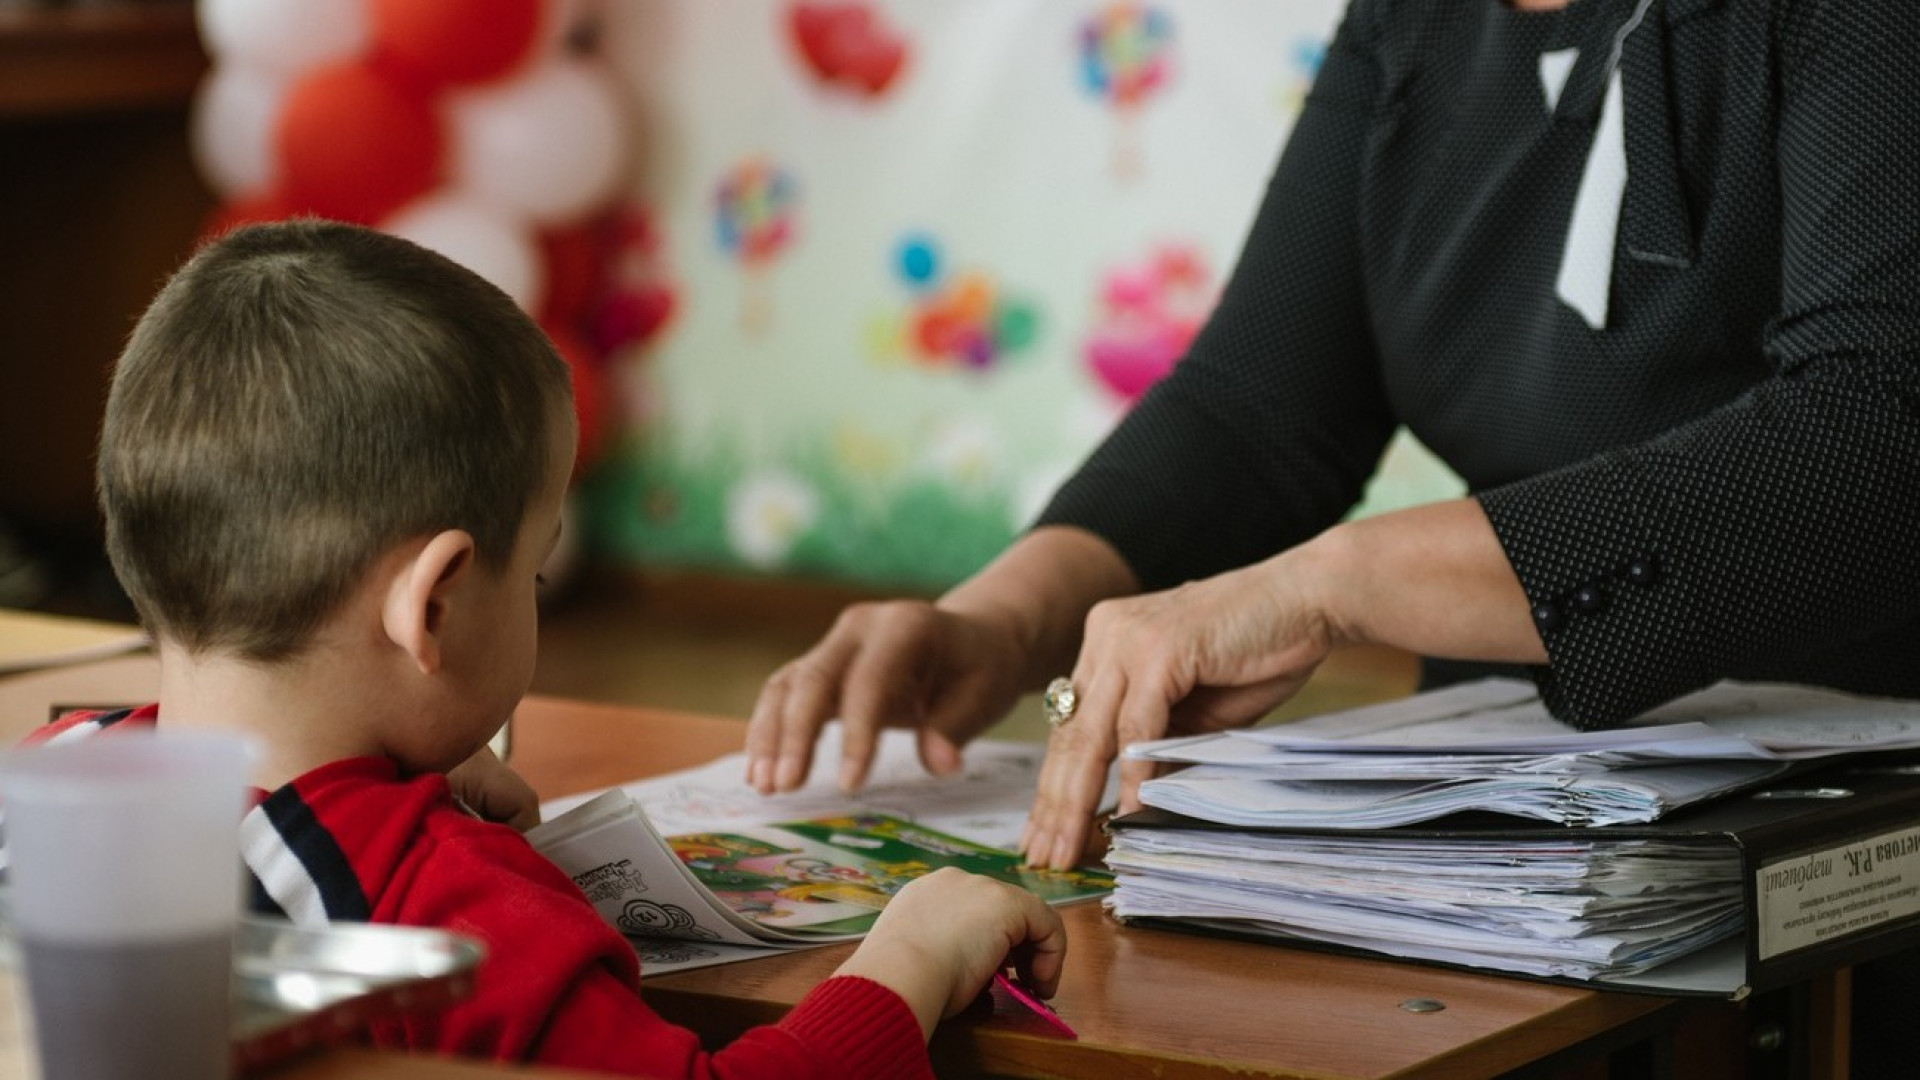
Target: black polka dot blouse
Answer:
[[1719, 477]]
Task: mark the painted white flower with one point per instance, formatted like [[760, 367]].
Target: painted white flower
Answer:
[[964, 453], [767, 513]]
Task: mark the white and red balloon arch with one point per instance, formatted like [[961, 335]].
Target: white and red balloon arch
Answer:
[[489, 130]]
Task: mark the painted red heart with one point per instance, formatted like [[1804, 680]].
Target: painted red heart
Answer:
[[875, 65], [812, 29], [847, 43]]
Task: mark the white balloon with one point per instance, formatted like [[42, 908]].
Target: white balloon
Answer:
[[231, 129], [550, 143], [286, 36], [479, 237]]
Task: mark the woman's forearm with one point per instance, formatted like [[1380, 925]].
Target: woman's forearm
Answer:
[[1040, 588], [1432, 580]]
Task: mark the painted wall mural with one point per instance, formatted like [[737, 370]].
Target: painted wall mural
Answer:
[[919, 256]]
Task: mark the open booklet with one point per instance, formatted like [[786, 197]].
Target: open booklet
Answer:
[[726, 874]]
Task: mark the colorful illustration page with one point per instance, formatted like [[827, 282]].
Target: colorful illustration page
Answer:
[[832, 875]]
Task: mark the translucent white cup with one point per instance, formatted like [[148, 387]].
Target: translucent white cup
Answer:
[[124, 876]]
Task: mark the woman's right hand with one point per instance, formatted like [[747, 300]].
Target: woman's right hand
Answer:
[[895, 663], [949, 668]]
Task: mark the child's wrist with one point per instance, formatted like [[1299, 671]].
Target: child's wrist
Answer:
[[909, 971]]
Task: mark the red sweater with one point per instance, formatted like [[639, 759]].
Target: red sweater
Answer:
[[355, 840]]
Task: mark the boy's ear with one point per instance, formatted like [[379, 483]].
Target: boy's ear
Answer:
[[415, 612]]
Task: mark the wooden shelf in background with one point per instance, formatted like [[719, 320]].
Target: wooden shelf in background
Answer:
[[97, 57]]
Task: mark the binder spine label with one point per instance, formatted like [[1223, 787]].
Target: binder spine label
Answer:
[[1825, 895]]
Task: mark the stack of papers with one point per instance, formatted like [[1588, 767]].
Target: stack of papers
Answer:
[[1491, 745], [1270, 850], [1579, 909]]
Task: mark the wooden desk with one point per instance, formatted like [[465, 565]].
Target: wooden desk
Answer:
[[1146, 1003]]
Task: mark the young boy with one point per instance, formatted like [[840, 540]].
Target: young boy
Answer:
[[331, 467]]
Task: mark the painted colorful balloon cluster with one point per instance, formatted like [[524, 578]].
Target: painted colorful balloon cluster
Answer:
[[1125, 53], [489, 130], [1149, 313], [848, 46], [754, 209], [963, 320]]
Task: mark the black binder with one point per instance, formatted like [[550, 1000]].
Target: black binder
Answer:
[[1830, 869]]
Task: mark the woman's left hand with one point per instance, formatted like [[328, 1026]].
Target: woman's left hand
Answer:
[[1205, 656], [1432, 580]]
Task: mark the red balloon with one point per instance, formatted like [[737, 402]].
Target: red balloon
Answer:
[[592, 404], [355, 143], [632, 316], [633, 232], [576, 268], [456, 41]]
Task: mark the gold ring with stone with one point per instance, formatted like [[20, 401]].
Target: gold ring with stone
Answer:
[[1060, 701]]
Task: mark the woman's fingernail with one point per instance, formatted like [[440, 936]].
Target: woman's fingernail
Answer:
[[788, 775]]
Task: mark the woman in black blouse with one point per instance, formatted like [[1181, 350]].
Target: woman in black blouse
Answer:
[[1646, 273]]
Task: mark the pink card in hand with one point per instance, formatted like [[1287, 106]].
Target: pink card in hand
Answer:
[[1032, 1001]]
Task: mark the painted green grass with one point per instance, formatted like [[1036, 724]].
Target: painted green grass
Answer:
[[650, 505], [654, 508]]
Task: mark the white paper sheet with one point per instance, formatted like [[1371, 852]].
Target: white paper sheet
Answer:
[[1726, 721], [1235, 795], [986, 802]]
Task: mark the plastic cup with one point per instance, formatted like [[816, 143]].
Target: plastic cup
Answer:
[[125, 884]]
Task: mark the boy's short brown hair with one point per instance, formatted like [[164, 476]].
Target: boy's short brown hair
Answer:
[[299, 398]]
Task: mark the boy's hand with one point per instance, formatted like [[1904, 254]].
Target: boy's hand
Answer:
[[494, 791], [942, 937]]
